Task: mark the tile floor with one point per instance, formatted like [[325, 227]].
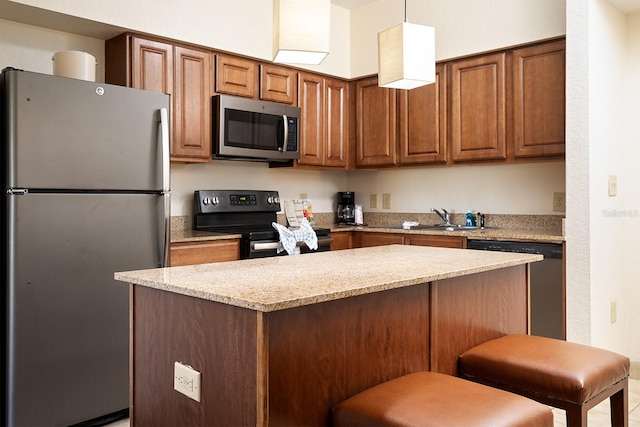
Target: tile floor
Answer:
[[598, 416]]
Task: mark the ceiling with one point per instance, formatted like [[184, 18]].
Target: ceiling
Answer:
[[354, 4], [625, 6]]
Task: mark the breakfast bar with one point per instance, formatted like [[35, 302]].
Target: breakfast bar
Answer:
[[279, 341]]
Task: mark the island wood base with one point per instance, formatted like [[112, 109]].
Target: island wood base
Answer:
[[289, 367]]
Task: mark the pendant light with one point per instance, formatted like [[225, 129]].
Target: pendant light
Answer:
[[406, 55], [301, 31]]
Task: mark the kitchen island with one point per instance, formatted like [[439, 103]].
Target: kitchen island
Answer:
[[279, 341]]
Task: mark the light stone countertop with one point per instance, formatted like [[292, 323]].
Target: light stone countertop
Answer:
[[278, 283]]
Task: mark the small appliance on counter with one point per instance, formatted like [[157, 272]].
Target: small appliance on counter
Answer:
[[346, 208]]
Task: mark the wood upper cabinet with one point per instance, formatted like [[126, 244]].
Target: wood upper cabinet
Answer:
[[152, 65], [539, 100], [324, 131], [478, 108], [236, 76], [278, 84], [376, 140], [184, 73], [192, 104], [423, 122]]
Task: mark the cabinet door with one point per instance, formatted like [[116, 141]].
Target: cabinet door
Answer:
[[478, 108], [539, 100], [152, 65], [190, 253], [310, 101], [341, 240], [192, 104], [278, 84], [380, 239], [375, 124], [423, 122], [438, 241], [236, 76], [336, 122]]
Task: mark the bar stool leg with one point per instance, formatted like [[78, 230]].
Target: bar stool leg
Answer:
[[620, 407]]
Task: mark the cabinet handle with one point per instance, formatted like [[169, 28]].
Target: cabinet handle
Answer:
[[163, 132]]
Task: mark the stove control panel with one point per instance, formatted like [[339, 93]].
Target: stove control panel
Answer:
[[213, 201]]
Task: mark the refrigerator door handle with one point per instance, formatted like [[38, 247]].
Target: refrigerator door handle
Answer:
[[165, 229], [163, 132]]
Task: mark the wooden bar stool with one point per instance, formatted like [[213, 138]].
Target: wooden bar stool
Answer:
[[429, 399], [565, 375]]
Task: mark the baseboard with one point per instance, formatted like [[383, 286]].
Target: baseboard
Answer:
[[635, 371]]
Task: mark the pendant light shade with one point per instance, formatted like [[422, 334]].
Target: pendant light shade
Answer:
[[406, 56], [301, 31]]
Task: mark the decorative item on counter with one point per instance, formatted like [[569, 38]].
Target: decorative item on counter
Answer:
[[74, 64], [297, 210], [408, 224], [359, 219], [480, 219], [471, 220], [307, 211], [289, 238]]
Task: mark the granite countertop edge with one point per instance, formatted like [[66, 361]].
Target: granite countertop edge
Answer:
[[285, 290]]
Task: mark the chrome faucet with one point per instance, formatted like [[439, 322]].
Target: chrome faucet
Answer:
[[444, 216]]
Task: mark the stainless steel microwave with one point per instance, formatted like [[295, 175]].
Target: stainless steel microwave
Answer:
[[246, 129]]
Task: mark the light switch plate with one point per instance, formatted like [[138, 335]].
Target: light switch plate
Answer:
[[613, 185], [386, 201], [559, 202], [373, 201], [186, 380]]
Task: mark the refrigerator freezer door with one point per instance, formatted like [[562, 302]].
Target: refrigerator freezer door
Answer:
[[72, 134], [68, 320]]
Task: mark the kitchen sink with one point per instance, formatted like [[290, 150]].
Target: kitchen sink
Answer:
[[441, 227]]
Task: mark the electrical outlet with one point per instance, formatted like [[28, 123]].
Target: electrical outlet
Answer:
[[386, 201], [614, 312], [613, 185], [303, 196], [373, 201], [186, 380], [559, 203]]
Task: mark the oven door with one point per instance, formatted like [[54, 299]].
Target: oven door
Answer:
[[269, 248]]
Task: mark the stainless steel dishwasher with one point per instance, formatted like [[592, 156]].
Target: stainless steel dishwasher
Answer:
[[546, 290]]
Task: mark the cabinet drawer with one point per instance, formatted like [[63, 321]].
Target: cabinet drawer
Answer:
[[438, 241], [204, 252]]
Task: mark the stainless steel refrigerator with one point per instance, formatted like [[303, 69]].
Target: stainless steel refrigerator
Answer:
[[86, 179]]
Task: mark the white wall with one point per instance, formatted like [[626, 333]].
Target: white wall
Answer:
[[603, 47], [30, 48], [462, 27]]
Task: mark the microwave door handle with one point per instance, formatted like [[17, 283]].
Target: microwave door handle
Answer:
[[285, 137]]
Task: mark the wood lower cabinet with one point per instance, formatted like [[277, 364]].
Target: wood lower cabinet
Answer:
[[236, 76], [183, 72], [539, 100], [324, 131], [439, 241], [363, 240], [341, 240], [278, 84], [423, 122], [478, 108], [376, 131], [189, 253]]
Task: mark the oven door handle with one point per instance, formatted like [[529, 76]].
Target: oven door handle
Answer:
[[267, 246]]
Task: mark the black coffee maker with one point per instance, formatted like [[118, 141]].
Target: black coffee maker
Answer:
[[346, 207]]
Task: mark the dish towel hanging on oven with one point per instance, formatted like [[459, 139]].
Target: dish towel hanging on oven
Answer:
[[289, 238]]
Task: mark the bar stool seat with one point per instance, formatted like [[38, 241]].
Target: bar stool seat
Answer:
[[565, 375], [429, 399]]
